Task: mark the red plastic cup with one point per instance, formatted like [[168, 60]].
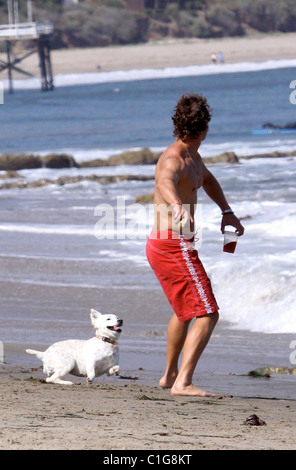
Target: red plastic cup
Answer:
[[230, 241]]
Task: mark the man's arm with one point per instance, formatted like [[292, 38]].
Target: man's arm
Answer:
[[166, 185], [215, 192], [167, 180]]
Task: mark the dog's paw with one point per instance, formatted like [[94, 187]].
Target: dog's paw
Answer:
[[49, 380], [113, 370]]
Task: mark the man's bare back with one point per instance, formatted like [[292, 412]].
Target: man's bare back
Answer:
[[177, 167]]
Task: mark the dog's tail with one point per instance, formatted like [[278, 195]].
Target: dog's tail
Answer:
[[38, 354]]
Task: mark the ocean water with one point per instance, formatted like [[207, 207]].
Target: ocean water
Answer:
[[57, 260]]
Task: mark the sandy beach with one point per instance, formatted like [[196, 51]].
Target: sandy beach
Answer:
[[114, 414], [166, 53]]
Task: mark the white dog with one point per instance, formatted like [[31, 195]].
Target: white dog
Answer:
[[91, 358]]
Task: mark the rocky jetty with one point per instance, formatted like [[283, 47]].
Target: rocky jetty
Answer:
[[274, 154], [11, 163], [145, 198], [63, 180], [15, 162], [226, 157], [59, 161], [271, 125], [9, 174], [132, 157]]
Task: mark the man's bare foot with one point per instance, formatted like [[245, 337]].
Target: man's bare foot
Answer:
[[189, 391], [167, 381]]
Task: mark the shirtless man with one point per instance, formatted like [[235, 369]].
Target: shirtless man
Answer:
[[179, 173]]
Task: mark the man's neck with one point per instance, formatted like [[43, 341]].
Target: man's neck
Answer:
[[191, 145]]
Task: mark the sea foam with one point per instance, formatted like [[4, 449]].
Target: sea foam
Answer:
[[257, 294]]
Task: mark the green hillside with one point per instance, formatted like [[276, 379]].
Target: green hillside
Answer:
[[106, 22]]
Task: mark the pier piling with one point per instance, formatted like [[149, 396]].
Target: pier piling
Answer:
[[40, 33]]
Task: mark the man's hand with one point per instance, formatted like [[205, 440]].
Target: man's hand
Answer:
[[180, 213], [231, 219]]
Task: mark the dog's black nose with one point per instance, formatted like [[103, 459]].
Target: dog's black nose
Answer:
[[120, 322]]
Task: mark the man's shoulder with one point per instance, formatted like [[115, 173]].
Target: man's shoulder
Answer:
[[171, 156]]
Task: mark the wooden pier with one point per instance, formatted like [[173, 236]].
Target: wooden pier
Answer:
[[41, 34]]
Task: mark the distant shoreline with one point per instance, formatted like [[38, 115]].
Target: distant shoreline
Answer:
[[165, 53]]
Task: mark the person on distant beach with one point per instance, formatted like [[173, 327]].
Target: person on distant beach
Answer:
[[221, 57], [179, 173], [214, 58]]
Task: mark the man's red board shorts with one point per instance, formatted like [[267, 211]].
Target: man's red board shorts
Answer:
[[181, 274]]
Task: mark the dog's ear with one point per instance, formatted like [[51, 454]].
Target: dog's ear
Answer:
[[94, 315]]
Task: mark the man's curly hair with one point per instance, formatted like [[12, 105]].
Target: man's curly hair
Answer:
[[191, 117]]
